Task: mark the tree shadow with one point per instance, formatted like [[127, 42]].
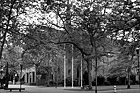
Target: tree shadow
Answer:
[[79, 89]]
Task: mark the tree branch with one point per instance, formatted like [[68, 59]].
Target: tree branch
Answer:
[[79, 48], [7, 26]]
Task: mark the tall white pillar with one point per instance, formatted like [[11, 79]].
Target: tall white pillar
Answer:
[[72, 66], [35, 77], [31, 77], [25, 77], [64, 68]]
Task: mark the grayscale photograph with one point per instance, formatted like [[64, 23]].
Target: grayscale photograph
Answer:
[[70, 46]]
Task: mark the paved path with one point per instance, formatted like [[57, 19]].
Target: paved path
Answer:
[[41, 89]]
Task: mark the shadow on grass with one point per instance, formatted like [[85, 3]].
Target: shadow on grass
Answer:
[[107, 89], [78, 89]]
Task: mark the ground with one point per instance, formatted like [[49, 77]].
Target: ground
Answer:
[[101, 89]]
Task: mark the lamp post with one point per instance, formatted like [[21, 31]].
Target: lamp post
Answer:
[[137, 50]]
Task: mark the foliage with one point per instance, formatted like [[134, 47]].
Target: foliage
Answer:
[[84, 24], [88, 26]]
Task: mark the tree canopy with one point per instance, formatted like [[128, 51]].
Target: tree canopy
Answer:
[[44, 27]]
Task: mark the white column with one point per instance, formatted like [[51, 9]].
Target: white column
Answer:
[[72, 66], [31, 77], [35, 76]]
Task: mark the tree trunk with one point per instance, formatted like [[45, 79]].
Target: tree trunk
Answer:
[[89, 65], [7, 76], [48, 78], [79, 78], [49, 70], [129, 71], [128, 84], [37, 80]]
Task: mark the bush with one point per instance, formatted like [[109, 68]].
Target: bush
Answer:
[[68, 82], [75, 82], [61, 82], [52, 83], [93, 83], [133, 78], [122, 80], [85, 78], [100, 80], [131, 82], [107, 83], [112, 80], [32, 83]]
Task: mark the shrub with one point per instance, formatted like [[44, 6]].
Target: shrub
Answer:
[[93, 83], [52, 83], [133, 78], [122, 80], [32, 83], [107, 83], [100, 80], [68, 81], [112, 80]]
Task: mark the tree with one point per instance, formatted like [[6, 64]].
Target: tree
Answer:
[[124, 23], [88, 26], [6, 26], [10, 11], [83, 23], [126, 60]]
